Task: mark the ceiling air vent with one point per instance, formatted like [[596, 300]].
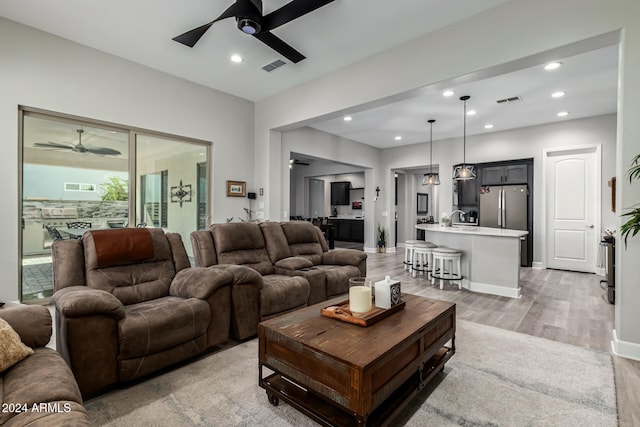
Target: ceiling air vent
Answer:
[[509, 100], [272, 66]]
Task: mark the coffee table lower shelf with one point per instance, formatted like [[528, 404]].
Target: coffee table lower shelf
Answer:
[[329, 414]]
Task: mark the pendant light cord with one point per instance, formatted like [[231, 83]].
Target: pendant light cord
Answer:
[[431, 148], [464, 135]]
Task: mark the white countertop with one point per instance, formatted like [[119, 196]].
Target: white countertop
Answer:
[[473, 230], [353, 217]]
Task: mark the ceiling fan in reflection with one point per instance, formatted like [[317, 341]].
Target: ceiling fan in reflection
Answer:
[[78, 148]]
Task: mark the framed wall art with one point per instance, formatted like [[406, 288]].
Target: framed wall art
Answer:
[[236, 189]]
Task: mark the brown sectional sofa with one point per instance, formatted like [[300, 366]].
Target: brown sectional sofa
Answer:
[[42, 379], [128, 304], [293, 259]]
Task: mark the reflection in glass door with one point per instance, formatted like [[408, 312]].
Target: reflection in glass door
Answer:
[[170, 168], [73, 175]]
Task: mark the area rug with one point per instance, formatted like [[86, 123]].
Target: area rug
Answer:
[[496, 378]]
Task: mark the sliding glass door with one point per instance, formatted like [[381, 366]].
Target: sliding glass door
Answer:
[[76, 175]]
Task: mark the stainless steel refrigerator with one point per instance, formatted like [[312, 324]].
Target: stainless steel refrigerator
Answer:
[[506, 206]]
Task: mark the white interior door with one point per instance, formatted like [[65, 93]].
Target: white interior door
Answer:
[[573, 209]]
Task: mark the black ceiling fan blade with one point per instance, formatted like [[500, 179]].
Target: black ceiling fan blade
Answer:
[[104, 151], [52, 145], [190, 38], [291, 11], [279, 46]]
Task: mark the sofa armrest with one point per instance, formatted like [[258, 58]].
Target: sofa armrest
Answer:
[[344, 257], [78, 301], [294, 263], [31, 322], [242, 275], [199, 282]]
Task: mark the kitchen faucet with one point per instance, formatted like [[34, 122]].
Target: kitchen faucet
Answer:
[[460, 216]]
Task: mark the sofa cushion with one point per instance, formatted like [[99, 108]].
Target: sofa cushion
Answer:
[[12, 350], [31, 322], [282, 293], [242, 243], [338, 277], [303, 240], [275, 241], [40, 378], [294, 263], [153, 326], [136, 281]]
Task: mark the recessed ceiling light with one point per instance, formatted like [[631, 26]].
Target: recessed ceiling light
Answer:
[[471, 113], [552, 66], [488, 126], [563, 113], [558, 94], [448, 92], [347, 118], [398, 138], [236, 58]]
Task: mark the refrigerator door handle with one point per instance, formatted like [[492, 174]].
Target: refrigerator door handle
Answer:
[[504, 208], [499, 208]]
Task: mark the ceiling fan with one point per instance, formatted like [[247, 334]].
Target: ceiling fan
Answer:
[[79, 148], [249, 18]]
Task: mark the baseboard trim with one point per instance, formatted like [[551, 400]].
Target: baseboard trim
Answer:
[[628, 350], [485, 288], [538, 265], [371, 250]]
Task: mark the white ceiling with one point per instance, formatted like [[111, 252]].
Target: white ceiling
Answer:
[[331, 37]]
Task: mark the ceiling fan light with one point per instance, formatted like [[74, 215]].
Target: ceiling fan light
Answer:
[[248, 26]]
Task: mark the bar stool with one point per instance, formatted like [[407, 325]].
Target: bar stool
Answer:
[[409, 245], [422, 258], [442, 256]]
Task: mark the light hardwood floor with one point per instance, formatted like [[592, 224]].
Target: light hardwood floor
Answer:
[[558, 305]]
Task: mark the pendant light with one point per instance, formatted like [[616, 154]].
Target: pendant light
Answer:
[[464, 171], [431, 178]]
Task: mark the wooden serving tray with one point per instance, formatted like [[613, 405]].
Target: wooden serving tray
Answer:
[[342, 312]]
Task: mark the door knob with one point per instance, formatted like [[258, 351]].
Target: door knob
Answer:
[[591, 226]]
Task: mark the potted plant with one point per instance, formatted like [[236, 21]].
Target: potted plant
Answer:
[[381, 239], [633, 223]]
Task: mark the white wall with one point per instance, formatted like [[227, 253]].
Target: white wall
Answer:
[[43, 71], [493, 42]]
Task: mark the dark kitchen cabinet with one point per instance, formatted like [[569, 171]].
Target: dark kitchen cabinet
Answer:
[[340, 193], [509, 174], [465, 192], [348, 230]]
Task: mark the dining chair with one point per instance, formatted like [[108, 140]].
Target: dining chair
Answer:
[[54, 233], [78, 225]]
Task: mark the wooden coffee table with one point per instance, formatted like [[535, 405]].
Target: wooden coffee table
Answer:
[[341, 374]]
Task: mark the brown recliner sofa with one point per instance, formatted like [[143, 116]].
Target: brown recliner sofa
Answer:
[[242, 244], [128, 304], [40, 390], [290, 242], [293, 258]]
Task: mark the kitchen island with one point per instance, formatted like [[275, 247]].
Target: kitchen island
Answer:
[[490, 256]]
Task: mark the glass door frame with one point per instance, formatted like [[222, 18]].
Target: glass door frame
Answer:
[[133, 132]]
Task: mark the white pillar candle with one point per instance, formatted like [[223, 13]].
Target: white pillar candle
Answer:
[[360, 299]]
